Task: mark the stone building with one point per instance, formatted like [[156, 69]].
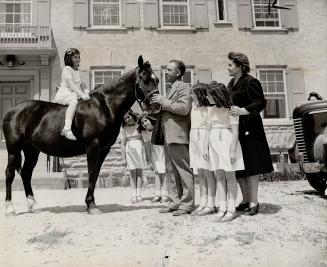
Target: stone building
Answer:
[[286, 47]]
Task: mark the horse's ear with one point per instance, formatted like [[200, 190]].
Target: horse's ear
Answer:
[[147, 64], [140, 62]]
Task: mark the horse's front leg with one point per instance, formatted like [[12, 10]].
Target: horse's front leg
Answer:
[[95, 158]]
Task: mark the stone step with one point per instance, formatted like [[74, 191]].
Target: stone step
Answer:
[[40, 180]]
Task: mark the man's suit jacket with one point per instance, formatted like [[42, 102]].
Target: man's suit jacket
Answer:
[[175, 114]]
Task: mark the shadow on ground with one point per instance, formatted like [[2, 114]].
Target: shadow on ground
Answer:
[[109, 208], [267, 208]]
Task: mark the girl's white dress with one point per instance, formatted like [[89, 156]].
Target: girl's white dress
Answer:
[[135, 150], [197, 138], [220, 140], [157, 153], [69, 78]]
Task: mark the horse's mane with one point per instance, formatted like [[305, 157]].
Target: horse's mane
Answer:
[[113, 84]]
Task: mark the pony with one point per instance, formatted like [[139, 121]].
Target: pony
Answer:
[[34, 126]]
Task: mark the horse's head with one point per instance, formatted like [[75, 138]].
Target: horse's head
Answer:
[[146, 85]]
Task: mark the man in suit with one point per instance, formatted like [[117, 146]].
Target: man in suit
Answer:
[[176, 123]]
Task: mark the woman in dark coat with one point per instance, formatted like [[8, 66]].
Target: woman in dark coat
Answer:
[[248, 101]]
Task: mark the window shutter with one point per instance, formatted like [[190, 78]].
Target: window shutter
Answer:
[[296, 88], [202, 76], [86, 79], [244, 14], [151, 14], [157, 72], [43, 12], [130, 14], [289, 17], [81, 13], [199, 14]]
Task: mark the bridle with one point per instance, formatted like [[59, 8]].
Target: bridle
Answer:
[[147, 94]]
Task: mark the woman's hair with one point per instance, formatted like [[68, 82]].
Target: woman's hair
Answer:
[[201, 91], [70, 52], [315, 95], [145, 116], [241, 60], [220, 94], [180, 65], [134, 115]]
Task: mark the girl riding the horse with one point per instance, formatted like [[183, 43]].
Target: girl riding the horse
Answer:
[[71, 89]]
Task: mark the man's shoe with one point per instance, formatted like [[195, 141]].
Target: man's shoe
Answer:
[[156, 199], [180, 212], [166, 210], [68, 134]]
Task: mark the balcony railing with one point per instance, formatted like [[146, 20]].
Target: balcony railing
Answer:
[[25, 37]]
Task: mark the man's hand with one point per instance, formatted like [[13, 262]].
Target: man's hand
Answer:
[[156, 98]]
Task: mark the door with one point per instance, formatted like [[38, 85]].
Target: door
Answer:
[[11, 93]]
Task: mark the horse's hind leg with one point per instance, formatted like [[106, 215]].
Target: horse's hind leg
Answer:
[[14, 161], [31, 157]]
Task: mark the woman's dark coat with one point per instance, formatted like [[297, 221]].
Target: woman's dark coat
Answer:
[[247, 93]]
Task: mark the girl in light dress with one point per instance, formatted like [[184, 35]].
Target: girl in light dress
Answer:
[[156, 158], [223, 149], [198, 163], [71, 89], [133, 150]]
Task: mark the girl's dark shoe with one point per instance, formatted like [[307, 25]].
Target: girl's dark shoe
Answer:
[[156, 199], [243, 207], [253, 211]]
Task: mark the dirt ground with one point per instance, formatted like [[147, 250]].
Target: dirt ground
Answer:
[[290, 230]]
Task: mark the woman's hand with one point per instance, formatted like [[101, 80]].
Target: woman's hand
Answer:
[[86, 91], [237, 111], [206, 155], [85, 96]]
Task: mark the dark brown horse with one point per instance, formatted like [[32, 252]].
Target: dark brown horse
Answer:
[[35, 126]]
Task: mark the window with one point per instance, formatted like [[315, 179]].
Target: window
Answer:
[[221, 10], [187, 78], [104, 76], [15, 13], [274, 88], [262, 18], [105, 13], [175, 13]]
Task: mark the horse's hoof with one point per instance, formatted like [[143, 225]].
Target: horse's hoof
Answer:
[[10, 214], [32, 206], [94, 211], [10, 209]]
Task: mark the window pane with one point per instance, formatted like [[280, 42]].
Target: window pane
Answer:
[[272, 82], [106, 12], [175, 13], [262, 16]]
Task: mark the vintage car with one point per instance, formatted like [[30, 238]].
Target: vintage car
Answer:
[[310, 125]]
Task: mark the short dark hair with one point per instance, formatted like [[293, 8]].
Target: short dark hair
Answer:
[[70, 52], [220, 94], [240, 59], [201, 91], [180, 65]]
